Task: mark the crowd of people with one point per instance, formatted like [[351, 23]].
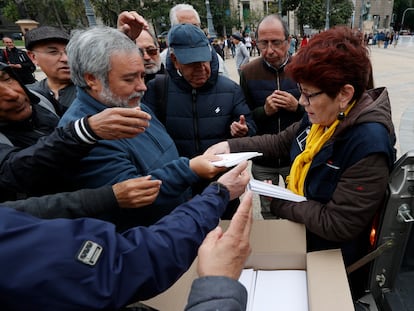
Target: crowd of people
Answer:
[[108, 189]]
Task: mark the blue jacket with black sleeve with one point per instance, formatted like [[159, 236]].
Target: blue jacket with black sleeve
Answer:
[[153, 152]]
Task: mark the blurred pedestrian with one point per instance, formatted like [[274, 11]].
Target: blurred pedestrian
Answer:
[[242, 54], [18, 60]]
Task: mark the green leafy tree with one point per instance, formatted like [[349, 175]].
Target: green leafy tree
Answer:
[[313, 13], [157, 12]]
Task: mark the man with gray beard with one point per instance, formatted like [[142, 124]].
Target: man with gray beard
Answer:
[[108, 71], [148, 46]]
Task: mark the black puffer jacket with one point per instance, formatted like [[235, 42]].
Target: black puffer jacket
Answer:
[[199, 118]]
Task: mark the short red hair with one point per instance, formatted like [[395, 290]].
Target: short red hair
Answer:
[[331, 59]]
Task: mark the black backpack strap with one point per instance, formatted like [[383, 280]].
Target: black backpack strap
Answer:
[[161, 89]]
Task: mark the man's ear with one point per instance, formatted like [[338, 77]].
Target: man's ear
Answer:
[[32, 57], [174, 60], [92, 81]]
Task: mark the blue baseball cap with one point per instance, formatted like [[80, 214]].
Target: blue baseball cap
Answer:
[[189, 44]]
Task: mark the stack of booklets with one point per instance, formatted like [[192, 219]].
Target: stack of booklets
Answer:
[[285, 290], [274, 191]]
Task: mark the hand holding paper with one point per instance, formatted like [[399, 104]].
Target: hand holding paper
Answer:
[[232, 159]]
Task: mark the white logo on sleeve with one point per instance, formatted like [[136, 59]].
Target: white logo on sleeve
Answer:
[[89, 253]]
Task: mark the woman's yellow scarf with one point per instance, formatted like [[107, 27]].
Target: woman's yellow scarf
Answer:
[[317, 137]]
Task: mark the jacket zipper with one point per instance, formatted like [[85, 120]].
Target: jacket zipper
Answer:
[[278, 116], [195, 120]]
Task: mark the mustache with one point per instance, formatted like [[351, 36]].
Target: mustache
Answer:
[[136, 94]]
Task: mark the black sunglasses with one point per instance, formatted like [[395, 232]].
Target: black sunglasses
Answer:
[[149, 51]]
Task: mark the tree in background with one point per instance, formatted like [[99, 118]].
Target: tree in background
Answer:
[[313, 13], [71, 13]]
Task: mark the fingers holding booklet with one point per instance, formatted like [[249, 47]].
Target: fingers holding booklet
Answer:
[[274, 191]]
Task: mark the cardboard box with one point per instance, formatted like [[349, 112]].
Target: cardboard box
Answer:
[[279, 244]]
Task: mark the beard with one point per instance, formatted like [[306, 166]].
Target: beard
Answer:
[[112, 100], [154, 69]]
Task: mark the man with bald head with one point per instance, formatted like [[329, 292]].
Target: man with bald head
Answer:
[[183, 13], [271, 95]]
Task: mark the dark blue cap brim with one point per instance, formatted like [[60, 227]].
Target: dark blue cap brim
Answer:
[[193, 55]]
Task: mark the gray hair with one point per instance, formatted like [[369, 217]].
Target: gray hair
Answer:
[[154, 38], [274, 17], [182, 7], [90, 51]]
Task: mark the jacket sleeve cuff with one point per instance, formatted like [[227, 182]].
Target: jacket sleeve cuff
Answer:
[[222, 190], [84, 132], [216, 293]]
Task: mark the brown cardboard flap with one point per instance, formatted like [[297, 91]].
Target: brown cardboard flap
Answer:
[[277, 244], [328, 287]]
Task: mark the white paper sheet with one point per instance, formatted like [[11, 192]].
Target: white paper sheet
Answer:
[[248, 279], [232, 159]]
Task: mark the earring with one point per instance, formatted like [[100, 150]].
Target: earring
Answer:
[[341, 116]]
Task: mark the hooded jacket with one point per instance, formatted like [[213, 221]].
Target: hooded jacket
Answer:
[[347, 181], [199, 118], [34, 153], [151, 153]]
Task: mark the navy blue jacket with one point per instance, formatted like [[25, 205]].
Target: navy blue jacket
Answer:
[[199, 118], [44, 265]]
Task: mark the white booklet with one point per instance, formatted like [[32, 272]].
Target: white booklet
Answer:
[[232, 159], [274, 191]]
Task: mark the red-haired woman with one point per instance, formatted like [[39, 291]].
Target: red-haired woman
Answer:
[[341, 151]]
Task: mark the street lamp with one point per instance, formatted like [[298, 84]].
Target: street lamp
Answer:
[[210, 24], [402, 21], [327, 15], [89, 13]]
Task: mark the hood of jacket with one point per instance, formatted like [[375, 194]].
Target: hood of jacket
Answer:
[[183, 84], [373, 106]]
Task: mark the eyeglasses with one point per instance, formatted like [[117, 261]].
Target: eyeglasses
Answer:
[[52, 53], [149, 51], [274, 44], [308, 96]]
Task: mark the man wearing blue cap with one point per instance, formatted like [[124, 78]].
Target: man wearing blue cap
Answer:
[[198, 106]]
